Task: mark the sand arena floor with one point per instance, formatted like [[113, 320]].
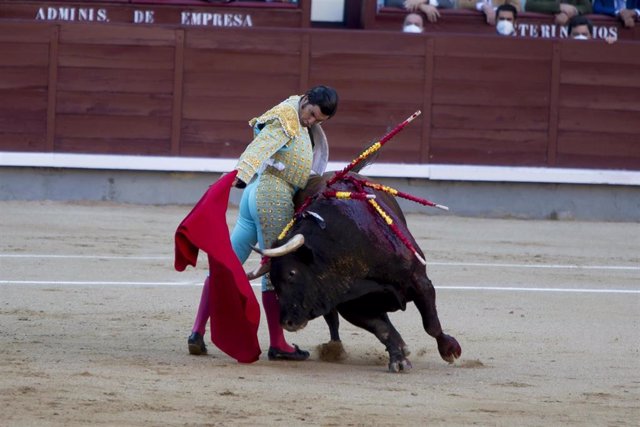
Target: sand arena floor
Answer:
[[94, 320]]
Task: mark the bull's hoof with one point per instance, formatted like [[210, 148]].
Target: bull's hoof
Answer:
[[196, 344], [405, 350], [403, 365], [448, 348], [332, 351]]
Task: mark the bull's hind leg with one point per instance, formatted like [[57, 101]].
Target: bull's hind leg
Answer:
[[425, 300], [379, 325]]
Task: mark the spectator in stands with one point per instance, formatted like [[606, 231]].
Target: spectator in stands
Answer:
[[628, 12], [488, 7], [413, 23], [507, 15], [288, 146], [562, 9], [581, 28], [428, 7]]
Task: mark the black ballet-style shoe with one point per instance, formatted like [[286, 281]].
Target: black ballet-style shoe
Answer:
[[297, 354], [196, 344]]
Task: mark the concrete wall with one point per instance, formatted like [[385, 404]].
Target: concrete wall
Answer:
[[465, 198]]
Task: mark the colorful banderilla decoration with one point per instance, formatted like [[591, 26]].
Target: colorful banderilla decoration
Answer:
[[363, 195], [372, 149]]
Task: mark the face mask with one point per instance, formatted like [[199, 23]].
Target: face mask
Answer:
[[504, 28], [412, 28], [580, 37]]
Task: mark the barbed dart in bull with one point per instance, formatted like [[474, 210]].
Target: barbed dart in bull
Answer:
[[372, 149]]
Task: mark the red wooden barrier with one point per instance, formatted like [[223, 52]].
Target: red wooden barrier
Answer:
[[154, 90]]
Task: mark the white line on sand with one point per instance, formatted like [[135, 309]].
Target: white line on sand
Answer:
[[553, 266], [72, 256], [257, 284], [432, 263]]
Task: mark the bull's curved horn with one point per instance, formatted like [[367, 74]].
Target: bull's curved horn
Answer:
[[260, 271], [294, 243]]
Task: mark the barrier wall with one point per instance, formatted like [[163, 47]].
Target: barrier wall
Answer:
[[181, 91]]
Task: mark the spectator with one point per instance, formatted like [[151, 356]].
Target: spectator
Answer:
[[562, 9], [507, 16], [428, 7], [581, 28], [628, 12], [413, 23], [488, 7]]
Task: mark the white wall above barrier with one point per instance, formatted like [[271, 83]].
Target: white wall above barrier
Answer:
[[435, 172]]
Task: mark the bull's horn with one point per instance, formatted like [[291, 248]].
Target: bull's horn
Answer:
[[294, 243], [260, 271]]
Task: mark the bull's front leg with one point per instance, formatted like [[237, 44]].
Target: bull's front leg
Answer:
[[425, 300], [333, 350], [379, 325], [333, 321]]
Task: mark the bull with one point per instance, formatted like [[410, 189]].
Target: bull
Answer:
[[340, 257]]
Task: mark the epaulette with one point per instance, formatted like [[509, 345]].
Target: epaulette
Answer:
[[286, 115]]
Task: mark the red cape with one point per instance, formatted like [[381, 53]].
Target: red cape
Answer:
[[234, 309]]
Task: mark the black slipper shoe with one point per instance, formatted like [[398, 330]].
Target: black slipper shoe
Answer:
[[196, 344], [297, 354]]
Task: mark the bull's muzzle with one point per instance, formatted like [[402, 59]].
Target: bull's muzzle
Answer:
[[291, 326]]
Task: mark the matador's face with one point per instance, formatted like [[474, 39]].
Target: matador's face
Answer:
[[310, 114]]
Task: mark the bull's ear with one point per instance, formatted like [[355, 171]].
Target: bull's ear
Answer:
[[305, 254]]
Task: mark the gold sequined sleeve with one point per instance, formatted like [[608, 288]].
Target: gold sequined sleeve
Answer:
[[271, 138]]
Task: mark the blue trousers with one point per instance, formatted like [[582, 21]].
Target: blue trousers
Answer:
[[265, 209], [246, 231]]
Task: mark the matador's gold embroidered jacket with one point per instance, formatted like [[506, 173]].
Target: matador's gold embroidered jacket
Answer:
[[283, 145]]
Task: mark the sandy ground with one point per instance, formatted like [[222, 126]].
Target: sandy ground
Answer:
[[94, 320]]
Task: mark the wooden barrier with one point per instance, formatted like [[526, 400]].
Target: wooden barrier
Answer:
[[154, 90]]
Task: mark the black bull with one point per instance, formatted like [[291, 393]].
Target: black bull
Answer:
[[353, 264]]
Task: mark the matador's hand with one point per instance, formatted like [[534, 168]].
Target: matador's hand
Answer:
[[238, 183]]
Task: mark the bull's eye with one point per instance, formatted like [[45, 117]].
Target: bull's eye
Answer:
[[292, 274]]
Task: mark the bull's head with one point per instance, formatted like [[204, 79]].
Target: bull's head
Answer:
[[292, 272]]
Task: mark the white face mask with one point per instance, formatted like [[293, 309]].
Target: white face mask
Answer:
[[580, 37], [412, 28], [504, 28]]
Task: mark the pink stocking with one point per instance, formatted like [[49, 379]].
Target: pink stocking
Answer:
[[200, 324], [272, 310]]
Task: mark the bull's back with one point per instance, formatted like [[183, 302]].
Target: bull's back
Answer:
[[317, 184]]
